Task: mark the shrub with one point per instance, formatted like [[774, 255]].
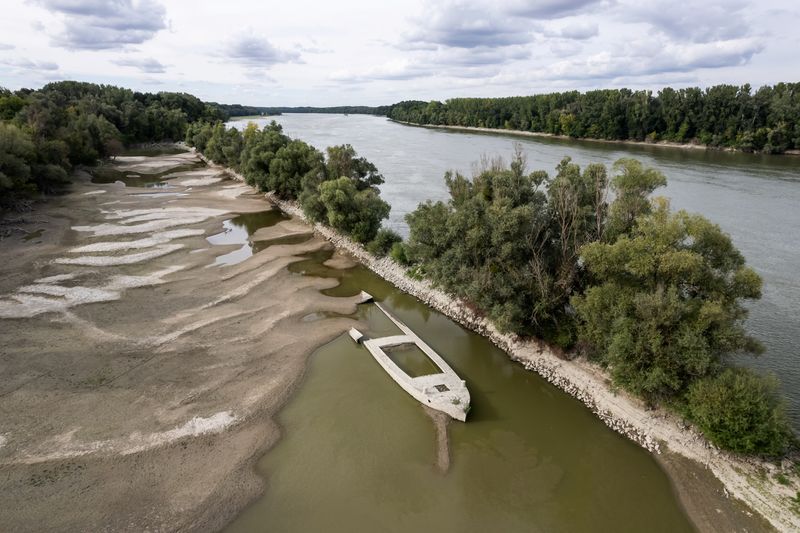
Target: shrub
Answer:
[[383, 242], [398, 253], [740, 411]]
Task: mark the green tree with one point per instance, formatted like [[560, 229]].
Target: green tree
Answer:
[[356, 213], [632, 186], [740, 411], [16, 153], [290, 165], [665, 305]]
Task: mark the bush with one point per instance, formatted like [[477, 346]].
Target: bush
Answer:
[[398, 253], [740, 411], [383, 242]]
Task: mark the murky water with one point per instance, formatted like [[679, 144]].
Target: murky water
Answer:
[[753, 198], [238, 230], [358, 454]]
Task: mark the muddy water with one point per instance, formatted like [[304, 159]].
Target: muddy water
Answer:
[[359, 454], [238, 230]]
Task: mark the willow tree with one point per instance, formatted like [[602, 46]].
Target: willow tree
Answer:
[[665, 304]]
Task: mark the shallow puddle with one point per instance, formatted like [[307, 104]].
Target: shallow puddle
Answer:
[[359, 454], [33, 235], [238, 230]]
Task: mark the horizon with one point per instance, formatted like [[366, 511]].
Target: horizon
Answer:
[[319, 55]]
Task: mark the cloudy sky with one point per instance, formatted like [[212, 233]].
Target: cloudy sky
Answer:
[[303, 52]]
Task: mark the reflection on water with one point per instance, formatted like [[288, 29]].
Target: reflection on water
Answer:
[[238, 230], [358, 454], [754, 198]]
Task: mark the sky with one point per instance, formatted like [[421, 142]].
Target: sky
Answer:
[[348, 52]]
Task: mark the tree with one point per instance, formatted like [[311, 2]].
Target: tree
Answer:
[[740, 411], [665, 305], [16, 153], [632, 186], [343, 161], [356, 213], [290, 165]]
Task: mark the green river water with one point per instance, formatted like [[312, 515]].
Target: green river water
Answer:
[[358, 454]]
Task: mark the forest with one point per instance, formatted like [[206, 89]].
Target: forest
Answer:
[[723, 116], [45, 133]]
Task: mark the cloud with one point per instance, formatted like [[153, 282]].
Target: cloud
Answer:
[[27, 64], [106, 24], [148, 65], [4, 46], [704, 22], [646, 58], [550, 9], [254, 51], [465, 25], [578, 31]]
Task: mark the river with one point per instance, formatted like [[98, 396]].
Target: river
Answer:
[[359, 455], [756, 199]]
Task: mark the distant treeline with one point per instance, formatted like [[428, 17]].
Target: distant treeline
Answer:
[[724, 116], [239, 110], [342, 110], [44, 133]]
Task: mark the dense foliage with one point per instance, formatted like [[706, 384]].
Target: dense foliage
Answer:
[[721, 116], [44, 133], [740, 411], [664, 304], [340, 190], [654, 296]]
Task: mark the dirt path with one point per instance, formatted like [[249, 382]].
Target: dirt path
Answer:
[[138, 382]]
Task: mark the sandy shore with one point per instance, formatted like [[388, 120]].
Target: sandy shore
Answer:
[[750, 481], [521, 133], [147, 409]]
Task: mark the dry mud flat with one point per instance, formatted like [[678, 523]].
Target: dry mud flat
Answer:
[[138, 382]]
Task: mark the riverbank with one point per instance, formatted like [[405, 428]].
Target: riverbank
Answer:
[[521, 133], [148, 409], [749, 480]]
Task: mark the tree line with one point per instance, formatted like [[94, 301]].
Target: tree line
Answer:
[[45, 133], [652, 295], [722, 116], [337, 188]]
